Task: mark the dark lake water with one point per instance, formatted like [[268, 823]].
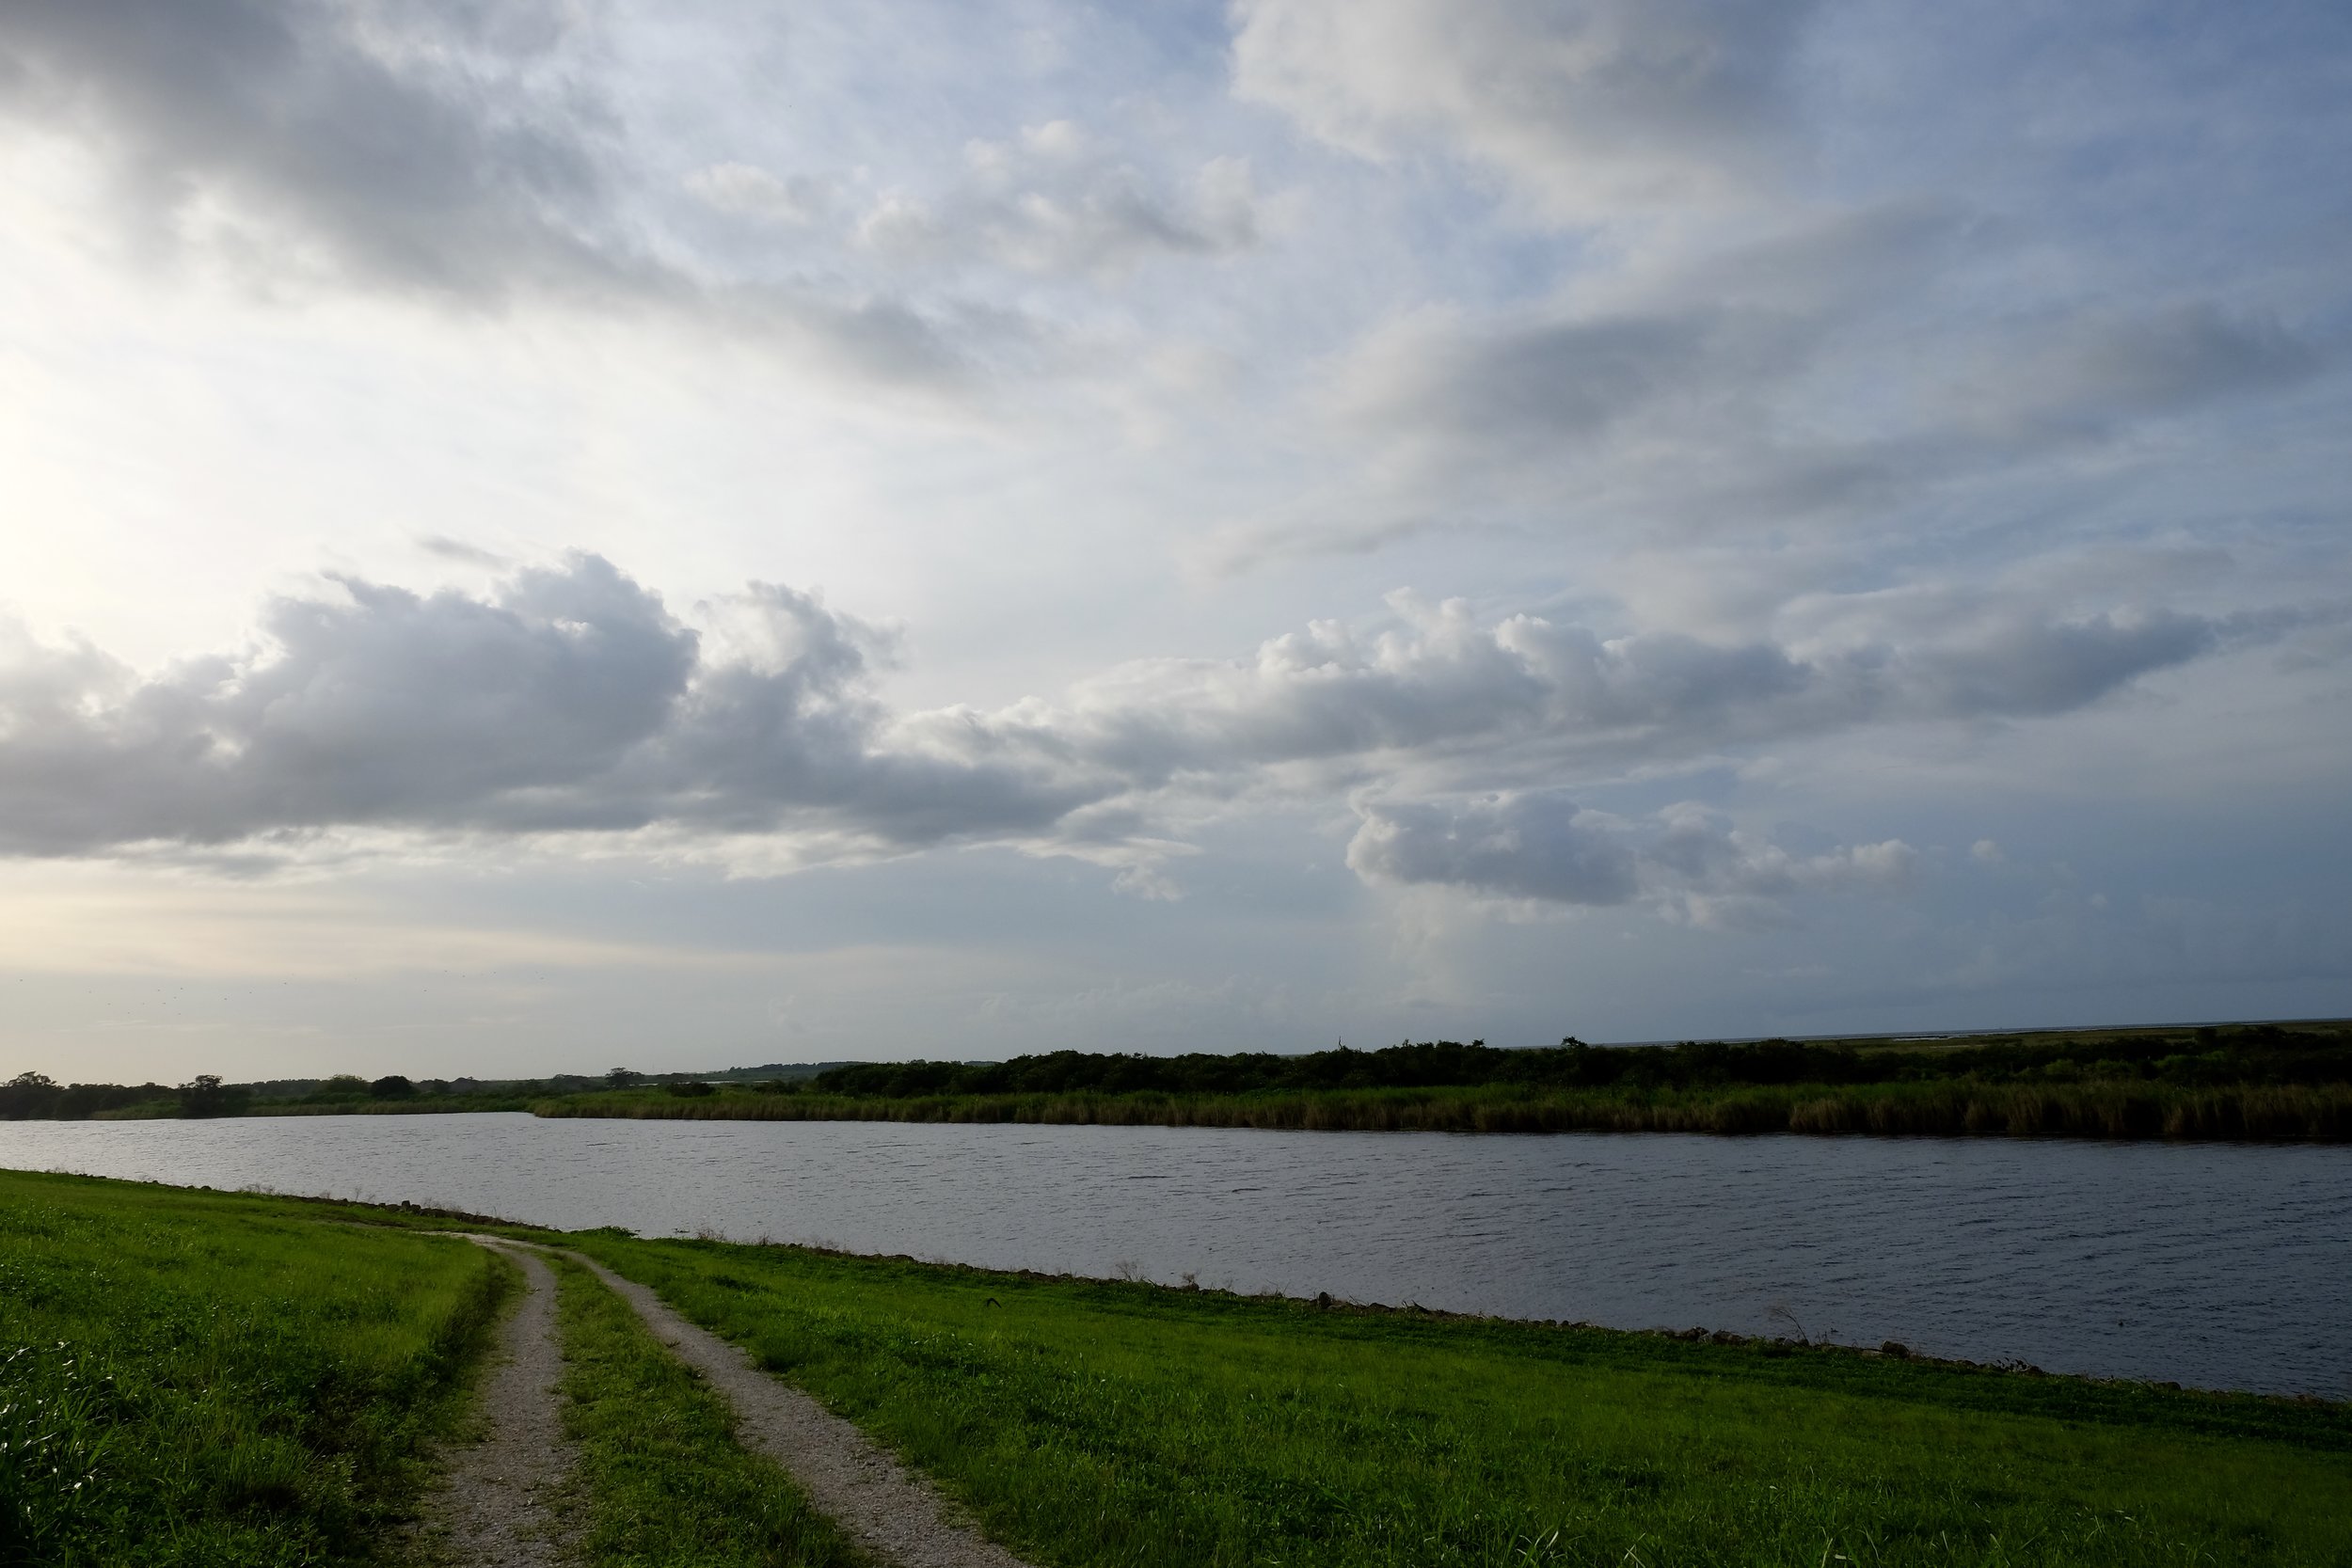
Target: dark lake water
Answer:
[[2212, 1265]]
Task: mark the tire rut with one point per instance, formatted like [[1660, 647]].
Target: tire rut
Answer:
[[894, 1514], [507, 1500]]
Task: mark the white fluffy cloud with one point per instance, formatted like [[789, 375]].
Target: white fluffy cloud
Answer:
[[567, 700], [570, 700]]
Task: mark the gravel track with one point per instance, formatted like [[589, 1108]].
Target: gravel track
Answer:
[[894, 1514], [506, 1501]]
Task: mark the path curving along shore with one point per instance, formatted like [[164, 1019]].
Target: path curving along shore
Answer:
[[506, 1500]]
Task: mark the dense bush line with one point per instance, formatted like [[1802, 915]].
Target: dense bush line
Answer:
[[2084, 1110], [2251, 1054], [2239, 1081]]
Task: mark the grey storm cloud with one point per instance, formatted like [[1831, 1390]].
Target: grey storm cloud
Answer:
[[444, 152], [570, 699], [1541, 845]]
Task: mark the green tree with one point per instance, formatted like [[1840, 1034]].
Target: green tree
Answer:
[[205, 1094]]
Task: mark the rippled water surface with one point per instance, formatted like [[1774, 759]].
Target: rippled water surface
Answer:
[[2213, 1265]]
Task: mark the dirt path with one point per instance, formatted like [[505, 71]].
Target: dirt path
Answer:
[[894, 1514], [505, 1503]]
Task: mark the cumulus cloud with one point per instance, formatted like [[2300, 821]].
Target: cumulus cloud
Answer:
[[570, 699], [1442, 686], [1531, 845], [1586, 105], [1712, 874], [1541, 845]]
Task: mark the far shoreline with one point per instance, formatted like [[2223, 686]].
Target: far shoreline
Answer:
[[2234, 1082]]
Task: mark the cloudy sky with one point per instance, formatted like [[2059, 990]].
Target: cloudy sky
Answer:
[[542, 534]]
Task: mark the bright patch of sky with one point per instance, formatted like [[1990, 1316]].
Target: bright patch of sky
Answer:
[[563, 532]]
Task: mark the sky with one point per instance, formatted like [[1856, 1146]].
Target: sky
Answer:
[[542, 534]]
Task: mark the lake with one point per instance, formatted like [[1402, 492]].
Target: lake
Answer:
[[2213, 1265]]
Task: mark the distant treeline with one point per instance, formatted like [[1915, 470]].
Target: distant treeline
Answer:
[[2240, 1082], [2227, 1082], [2246, 1054], [2321, 1113], [35, 1096]]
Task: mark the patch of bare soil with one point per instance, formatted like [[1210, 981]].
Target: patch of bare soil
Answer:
[[506, 1501]]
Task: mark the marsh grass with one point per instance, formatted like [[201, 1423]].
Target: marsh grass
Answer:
[[667, 1485], [2095, 1110], [1102, 1423], [193, 1378]]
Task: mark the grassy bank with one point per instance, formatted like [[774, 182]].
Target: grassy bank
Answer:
[[194, 1378], [2095, 1110], [245, 1380], [1101, 1423], [667, 1486]]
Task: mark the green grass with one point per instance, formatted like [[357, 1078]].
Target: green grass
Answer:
[[1094, 1424], [195, 1378], [667, 1485]]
